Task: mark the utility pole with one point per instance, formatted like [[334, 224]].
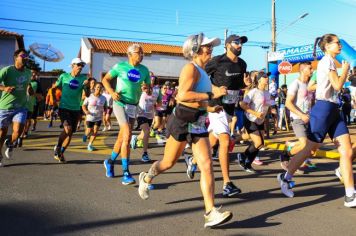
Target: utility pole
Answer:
[[225, 35], [273, 24]]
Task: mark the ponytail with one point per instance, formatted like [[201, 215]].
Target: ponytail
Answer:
[[315, 43]]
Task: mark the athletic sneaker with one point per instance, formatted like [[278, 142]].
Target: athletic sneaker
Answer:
[[310, 165], [286, 186], [152, 133], [1, 162], [127, 178], [9, 149], [143, 187], [215, 217], [85, 138], [109, 127], [104, 129], [109, 169], [19, 142], [339, 175], [257, 161], [241, 159], [350, 201], [191, 168], [248, 168], [139, 143], [50, 125], [90, 148], [59, 157], [145, 158], [230, 190], [133, 141]]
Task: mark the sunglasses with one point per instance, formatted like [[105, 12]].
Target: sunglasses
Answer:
[[337, 42], [23, 56], [80, 64], [237, 42]]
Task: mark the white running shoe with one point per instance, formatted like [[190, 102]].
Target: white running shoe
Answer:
[[104, 129], [143, 187], [286, 186], [339, 175], [215, 217], [350, 201]]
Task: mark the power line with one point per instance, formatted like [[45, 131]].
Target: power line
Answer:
[[88, 35], [90, 27]]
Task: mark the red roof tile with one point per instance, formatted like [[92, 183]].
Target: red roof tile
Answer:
[[116, 47], [8, 33]]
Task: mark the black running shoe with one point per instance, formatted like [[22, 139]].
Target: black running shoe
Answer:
[[230, 190]]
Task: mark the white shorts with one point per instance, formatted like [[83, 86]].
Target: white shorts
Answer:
[[219, 123]]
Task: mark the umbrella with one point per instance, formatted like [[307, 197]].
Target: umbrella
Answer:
[[46, 52]]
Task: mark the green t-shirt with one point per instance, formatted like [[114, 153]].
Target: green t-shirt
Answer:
[[10, 76], [31, 102], [129, 80], [72, 88]]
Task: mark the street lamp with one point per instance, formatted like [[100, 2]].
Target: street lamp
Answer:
[[273, 24], [293, 22]]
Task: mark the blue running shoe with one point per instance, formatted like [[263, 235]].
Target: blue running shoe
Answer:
[[145, 158], [191, 168], [127, 179], [109, 169], [151, 187], [85, 138], [91, 148], [133, 141]]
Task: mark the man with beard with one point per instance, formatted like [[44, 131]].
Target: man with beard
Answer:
[[225, 70]]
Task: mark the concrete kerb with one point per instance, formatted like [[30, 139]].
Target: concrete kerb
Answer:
[[320, 153]]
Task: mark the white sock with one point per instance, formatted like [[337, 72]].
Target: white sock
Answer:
[[349, 191]]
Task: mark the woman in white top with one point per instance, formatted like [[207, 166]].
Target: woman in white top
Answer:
[[256, 104], [325, 119]]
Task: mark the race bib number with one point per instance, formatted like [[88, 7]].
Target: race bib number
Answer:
[[231, 97], [131, 110], [198, 126]]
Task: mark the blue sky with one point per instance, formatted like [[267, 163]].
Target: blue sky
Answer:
[[169, 22]]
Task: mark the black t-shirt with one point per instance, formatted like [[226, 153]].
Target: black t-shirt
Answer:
[[224, 72], [352, 79]]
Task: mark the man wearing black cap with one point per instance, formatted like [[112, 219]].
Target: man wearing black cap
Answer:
[[226, 70]]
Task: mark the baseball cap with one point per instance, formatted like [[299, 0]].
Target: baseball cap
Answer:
[[262, 75], [77, 60], [234, 37], [212, 41]]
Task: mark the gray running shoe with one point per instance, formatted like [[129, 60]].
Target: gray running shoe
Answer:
[[9, 149], [215, 217], [350, 201], [191, 168]]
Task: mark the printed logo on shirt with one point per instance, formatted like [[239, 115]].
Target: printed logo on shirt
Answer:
[[227, 73], [74, 84], [133, 75], [20, 80]]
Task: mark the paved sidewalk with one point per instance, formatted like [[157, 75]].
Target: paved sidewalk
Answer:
[[328, 150]]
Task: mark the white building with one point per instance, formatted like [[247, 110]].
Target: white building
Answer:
[[165, 61], [9, 43]]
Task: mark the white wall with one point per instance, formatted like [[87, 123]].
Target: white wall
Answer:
[[160, 65], [7, 48]]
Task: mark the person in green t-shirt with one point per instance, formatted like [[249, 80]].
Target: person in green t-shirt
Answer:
[[14, 82], [129, 75], [72, 85]]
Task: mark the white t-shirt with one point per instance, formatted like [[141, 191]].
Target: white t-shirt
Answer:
[[324, 90], [146, 105], [302, 97], [258, 100], [95, 106], [109, 100]]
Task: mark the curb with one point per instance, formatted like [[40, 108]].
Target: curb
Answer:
[[319, 153]]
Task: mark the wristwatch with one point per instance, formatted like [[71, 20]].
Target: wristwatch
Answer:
[[210, 94]]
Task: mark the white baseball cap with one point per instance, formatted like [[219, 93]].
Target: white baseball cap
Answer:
[[212, 41], [77, 60]]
